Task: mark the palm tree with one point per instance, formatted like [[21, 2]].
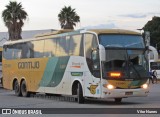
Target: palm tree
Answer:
[[13, 17], [68, 18]]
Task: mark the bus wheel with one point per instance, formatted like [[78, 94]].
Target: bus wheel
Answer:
[[80, 97], [24, 91], [118, 100], [17, 88]]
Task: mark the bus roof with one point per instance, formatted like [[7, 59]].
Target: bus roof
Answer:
[[54, 33], [70, 32], [114, 31], [97, 31]]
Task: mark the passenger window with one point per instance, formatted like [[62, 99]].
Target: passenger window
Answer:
[[38, 48]]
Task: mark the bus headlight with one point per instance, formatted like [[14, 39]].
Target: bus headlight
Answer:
[[144, 86], [109, 86]]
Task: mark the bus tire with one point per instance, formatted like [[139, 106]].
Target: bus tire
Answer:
[[1, 80], [24, 91], [118, 100], [17, 89], [80, 97]]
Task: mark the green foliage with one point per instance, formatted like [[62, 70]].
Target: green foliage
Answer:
[[68, 18], [153, 27], [13, 17]]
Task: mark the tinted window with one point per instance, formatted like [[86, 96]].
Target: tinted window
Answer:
[[50, 48], [128, 41], [12, 51], [38, 47], [155, 65], [76, 45]]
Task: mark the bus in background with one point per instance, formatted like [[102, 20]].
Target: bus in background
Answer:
[[1, 48], [154, 63], [108, 63]]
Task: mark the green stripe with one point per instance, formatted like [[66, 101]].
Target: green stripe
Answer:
[[54, 71]]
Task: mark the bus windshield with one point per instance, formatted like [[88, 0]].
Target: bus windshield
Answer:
[[155, 65], [127, 41], [131, 63]]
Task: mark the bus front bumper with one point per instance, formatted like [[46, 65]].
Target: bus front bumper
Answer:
[[124, 93]]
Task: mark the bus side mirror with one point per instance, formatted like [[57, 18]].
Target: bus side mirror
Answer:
[[94, 55], [95, 59], [95, 63]]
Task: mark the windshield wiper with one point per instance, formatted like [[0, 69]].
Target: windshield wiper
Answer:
[[134, 67], [127, 64]]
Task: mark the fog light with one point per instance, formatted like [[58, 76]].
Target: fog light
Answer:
[[144, 86]]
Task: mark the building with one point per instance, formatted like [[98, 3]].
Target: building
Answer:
[[25, 34]]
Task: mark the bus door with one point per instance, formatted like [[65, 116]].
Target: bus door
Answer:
[[93, 77]]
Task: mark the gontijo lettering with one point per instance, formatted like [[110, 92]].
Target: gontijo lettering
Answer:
[[28, 65]]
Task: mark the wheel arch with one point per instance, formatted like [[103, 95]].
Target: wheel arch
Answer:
[[75, 86], [23, 79]]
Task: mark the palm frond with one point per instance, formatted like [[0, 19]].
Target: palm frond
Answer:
[[68, 18]]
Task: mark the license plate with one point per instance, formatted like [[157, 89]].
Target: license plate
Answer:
[[128, 93]]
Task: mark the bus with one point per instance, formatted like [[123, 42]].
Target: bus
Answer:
[[154, 62], [155, 65], [92, 63]]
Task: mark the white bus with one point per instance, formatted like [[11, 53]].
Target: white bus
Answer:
[[154, 62], [155, 65], [83, 63]]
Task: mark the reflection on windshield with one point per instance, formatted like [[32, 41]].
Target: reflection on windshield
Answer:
[[131, 63], [130, 41]]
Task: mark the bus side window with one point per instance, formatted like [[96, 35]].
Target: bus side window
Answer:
[[37, 49], [76, 45], [7, 52], [25, 51], [17, 51], [31, 49], [50, 47]]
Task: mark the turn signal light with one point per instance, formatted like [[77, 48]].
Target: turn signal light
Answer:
[[115, 74]]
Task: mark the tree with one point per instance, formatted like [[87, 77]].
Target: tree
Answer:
[[68, 18], [153, 27], [13, 17]]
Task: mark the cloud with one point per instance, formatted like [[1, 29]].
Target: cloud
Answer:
[[134, 15], [153, 13], [101, 26], [140, 15]]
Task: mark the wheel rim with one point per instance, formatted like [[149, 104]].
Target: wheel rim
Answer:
[[24, 89], [16, 87]]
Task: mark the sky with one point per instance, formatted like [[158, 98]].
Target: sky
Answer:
[[117, 14]]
